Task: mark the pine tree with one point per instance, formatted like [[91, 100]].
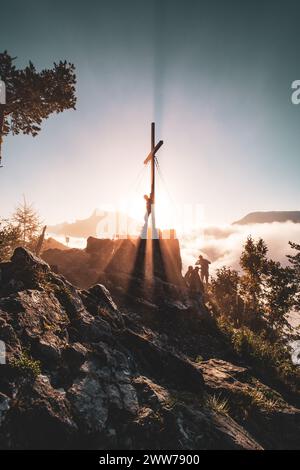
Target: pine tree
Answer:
[[32, 96], [278, 295], [28, 222], [295, 262], [253, 262], [225, 291], [10, 238]]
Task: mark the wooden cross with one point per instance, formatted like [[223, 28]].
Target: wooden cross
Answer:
[[151, 158]]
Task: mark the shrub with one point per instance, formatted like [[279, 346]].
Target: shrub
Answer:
[[263, 355], [27, 365]]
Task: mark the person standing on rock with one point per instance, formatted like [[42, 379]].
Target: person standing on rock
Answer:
[[196, 285], [187, 276], [204, 267]]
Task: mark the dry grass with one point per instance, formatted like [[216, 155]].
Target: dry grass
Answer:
[[218, 404]]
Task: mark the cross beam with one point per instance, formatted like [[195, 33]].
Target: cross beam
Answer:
[[153, 152], [151, 158]]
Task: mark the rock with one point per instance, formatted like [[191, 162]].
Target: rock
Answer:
[[23, 258], [49, 347], [89, 402], [271, 420], [103, 296], [43, 421], [171, 420], [99, 301], [218, 372], [75, 354], [4, 407], [7, 332], [163, 363], [74, 264], [232, 435], [25, 271], [34, 312], [122, 257], [104, 389]]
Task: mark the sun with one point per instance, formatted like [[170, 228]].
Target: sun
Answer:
[[135, 208]]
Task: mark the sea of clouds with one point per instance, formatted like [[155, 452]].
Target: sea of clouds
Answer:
[[222, 245]]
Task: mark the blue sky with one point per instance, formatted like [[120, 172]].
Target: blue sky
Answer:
[[214, 75]]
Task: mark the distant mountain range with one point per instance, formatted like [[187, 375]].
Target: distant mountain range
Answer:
[[84, 228], [79, 228], [268, 217]]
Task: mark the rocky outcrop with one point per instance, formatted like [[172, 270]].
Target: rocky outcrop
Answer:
[[81, 372], [117, 259], [273, 421]]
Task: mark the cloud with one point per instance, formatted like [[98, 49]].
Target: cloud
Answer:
[[223, 244]]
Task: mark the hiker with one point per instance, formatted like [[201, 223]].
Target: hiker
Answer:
[[204, 268], [148, 200], [187, 276], [196, 285]]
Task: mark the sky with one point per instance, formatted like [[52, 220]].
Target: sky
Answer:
[[215, 76]]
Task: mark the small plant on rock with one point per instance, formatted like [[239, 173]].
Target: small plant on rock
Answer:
[[218, 404], [25, 364]]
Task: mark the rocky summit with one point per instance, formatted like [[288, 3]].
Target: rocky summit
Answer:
[[94, 369]]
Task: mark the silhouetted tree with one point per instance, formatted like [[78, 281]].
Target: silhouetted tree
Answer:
[[32, 96], [28, 222], [253, 262], [278, 295], [295, 262], [262, 295], [10, 238], [224, 288]]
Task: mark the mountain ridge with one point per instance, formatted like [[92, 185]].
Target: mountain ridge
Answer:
[[267, 217]]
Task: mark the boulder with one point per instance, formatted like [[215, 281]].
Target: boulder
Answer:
[[4, 407]]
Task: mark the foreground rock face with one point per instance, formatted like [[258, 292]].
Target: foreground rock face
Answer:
[[81, 373]]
